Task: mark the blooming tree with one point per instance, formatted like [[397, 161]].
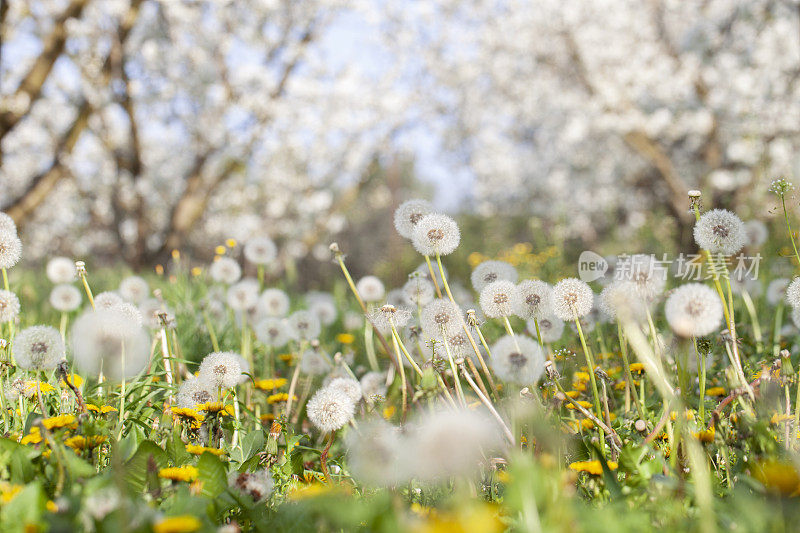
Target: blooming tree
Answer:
[[129, 123]]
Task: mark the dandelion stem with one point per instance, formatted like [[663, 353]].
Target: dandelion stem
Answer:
[[488, 405], [323, 458], [292, 387], [459, 391], [789, 228], [404, 385], [433, 276], [590, 364], [701, 363], [623, 348]]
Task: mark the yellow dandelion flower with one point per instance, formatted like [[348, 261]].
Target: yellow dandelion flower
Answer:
[[60, 421], [8, 491], [176, 254], [286, 358], [270, 384], [187, 413], [81, 442], [177, 524], [30, 388], [75, 379], [231, 243], [636, 367], [715, 391], [196, 271], [200, 450], [220, 250], [267, 418], [591, 467], [210, 407], [388, 412], [706, 435], [778, 476], [346, 338], [580, 386], [582, 403], [51, 506], [582, 376], [160, 270], [34, 437], [777, 418], [279, 397], [179, 473], [573, 393]]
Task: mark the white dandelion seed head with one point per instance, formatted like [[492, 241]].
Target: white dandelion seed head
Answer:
[[272, 332], [257, 485], [449, 443], [10, 249], [314, 363], [274, 302], [38, 348], [134, 289], [795, 318], [242, 295], [222, 369], [330, 409], [776, 289], [225, 270], [371, 289], [533, 299], [408, 215], [132, 313], [65, 298], [348, 386], [693, 310], [150, 308], [418, 291], [572, 297], [621, 300], [107, 340], [61, 270], [375, 454], [756, 233], [436, 233], [9, 306], [550, 328], [460, 347], [195, 391], [304, 325], [373, 384], [648, 276], [518, 360], [440, 317], [323, 305], [720, 232], [107, 300], [383, 318], [7, 224], [260, 250], [497, 299], [491, 271], [793, 292]]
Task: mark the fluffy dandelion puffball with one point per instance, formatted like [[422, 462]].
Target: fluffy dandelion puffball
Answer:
[[371, 289], [107, 300], [65, 298], [387, 315], [9, 306], [693, 310], [373, 384], [7, 224], [550, 328], [408, 215], [376, 454], [436, 234], [330, 409], [621, 300], [258, 485], [304, 325], [776, 290], [518, 360], [260, 250], [572, 297], [314, 363], [645, 273], [720, 232], [38, 348], [323, 305], [61, 270], [107, 340], [497, 299], [440, 317], [450, 443], [134, 289], [793, 292], [491, 271], [272, 332], [195, 391], [349, 386], [225, 270], [243, 295], [10, 249], [222, 369], [418, 291], [274, 302], [533, 299]]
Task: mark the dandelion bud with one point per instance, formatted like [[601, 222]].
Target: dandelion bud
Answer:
[[640, 425], [551, 371], [601, 375], [334, 248], [80, 268], [472, 318]]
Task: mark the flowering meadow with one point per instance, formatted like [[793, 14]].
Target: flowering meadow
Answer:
[[207, 397]]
